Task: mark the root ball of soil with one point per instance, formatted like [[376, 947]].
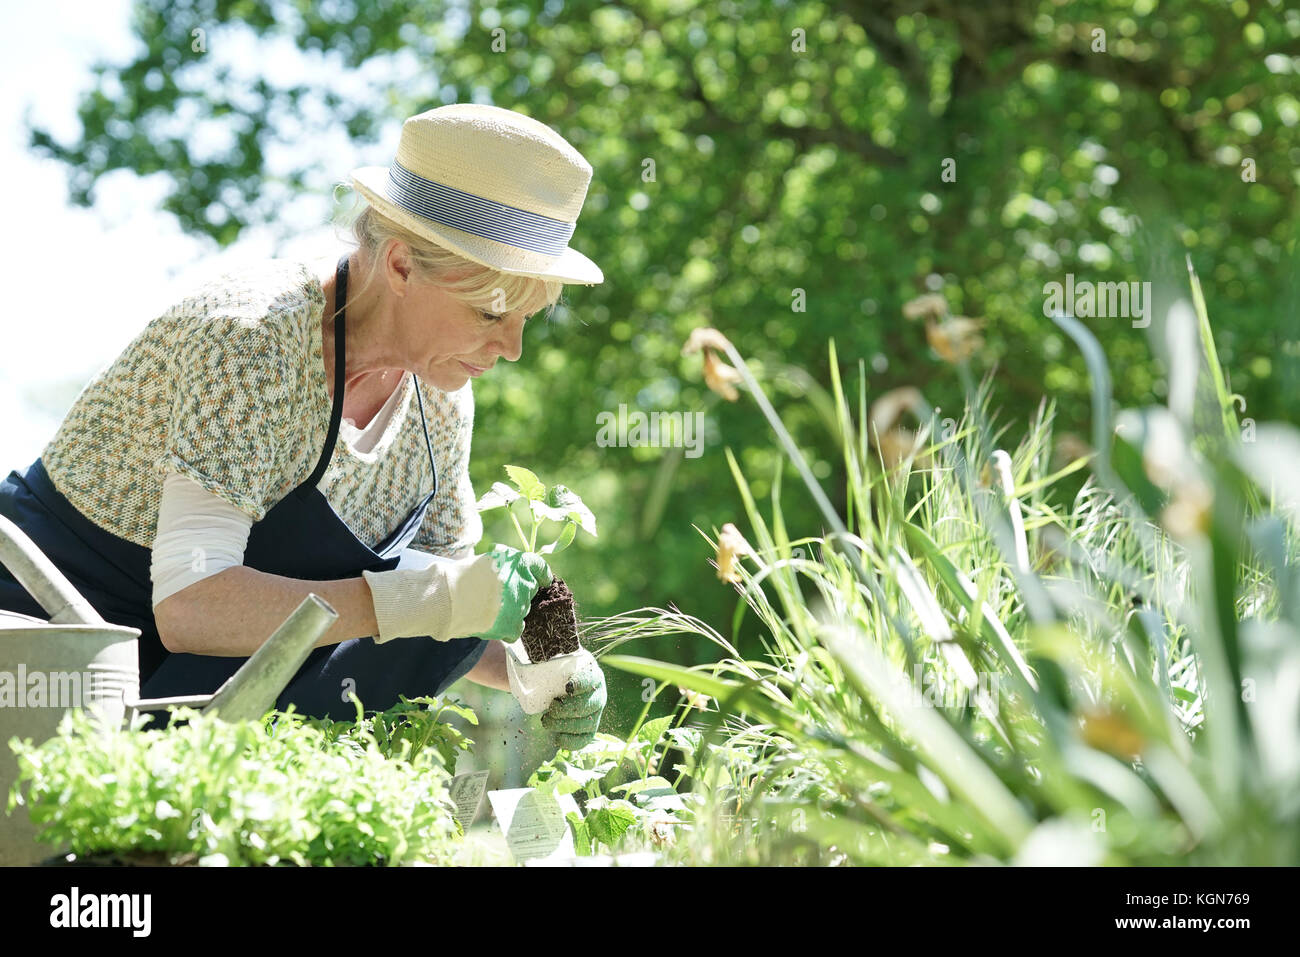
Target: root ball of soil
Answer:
[[551, 627]]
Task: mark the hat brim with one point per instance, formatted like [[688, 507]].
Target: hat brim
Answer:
[[570, 266]]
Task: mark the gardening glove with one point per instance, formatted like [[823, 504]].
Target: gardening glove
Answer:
[[574, 719], [487, 596]]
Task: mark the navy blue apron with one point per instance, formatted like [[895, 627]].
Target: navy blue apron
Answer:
[[300, 537]]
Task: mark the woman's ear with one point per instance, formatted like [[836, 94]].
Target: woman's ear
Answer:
[[398, 267]]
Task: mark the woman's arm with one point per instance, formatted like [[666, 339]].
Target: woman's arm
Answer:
[[233, 612], [206, 601], [490, 672]]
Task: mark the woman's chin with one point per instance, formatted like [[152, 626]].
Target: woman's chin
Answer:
[[448, 380]]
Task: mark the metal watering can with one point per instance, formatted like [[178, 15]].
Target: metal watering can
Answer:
[[79, 655]]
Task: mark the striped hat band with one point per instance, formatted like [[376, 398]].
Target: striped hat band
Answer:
[[477, 215]]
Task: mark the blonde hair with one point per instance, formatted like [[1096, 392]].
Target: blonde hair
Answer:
[[481, 287]]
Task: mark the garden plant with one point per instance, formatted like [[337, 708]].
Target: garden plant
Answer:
[[977, 663], [551, 627]]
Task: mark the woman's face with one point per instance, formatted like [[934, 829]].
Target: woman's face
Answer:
[[441, 339], [446, 342]]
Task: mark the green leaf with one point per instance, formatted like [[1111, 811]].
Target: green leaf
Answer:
[[529, 485], [1206, 331], [1127, 459], [740, 697], [652, 731], [500, 495], [581, 834], [1094, 358], [566, 500], [564, 541], [963, 590], [544, 512], [685, 739], [653, 794], [609, 823], [654, 783]]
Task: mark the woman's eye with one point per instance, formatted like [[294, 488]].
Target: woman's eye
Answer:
[[491, 316]]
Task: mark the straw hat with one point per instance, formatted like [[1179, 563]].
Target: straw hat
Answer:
[[493, 185]]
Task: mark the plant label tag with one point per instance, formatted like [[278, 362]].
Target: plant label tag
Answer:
[[534, 823], [467, 792]]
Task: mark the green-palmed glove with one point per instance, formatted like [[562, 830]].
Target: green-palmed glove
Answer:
[[575, 718], [522, 575], [485, 596]]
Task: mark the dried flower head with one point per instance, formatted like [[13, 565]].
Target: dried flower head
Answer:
[[731, 546], [930, 306], [1070, 447], [661, 829], [1187, 515], [720, 377], [695, 699], [1111, 731], [705, 338], [898, 445], [890, 407], [955, 340], [894, 442]]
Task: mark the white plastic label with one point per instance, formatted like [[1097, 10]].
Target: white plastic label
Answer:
[[534, 823], [467, 791]]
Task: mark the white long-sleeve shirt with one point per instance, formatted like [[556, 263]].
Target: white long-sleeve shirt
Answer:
[[200, 534]]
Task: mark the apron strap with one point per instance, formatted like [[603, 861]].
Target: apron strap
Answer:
[[340, 352], [427, 444], [336, 410]]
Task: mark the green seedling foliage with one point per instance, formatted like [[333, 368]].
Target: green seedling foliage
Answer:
[[282, 790], [558, 504], [619, 799]]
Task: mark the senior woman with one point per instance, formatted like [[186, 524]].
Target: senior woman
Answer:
[[289, 429]]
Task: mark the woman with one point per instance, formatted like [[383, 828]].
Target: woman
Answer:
[[287, 430]]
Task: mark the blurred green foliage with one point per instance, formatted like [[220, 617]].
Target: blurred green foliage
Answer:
[[796, 147]]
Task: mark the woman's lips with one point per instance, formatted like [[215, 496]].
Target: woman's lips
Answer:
[[475, 371]]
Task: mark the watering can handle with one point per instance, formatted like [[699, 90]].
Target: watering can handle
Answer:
[[42, 579]]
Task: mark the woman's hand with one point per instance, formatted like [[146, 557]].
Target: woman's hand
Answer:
[[487, 596], [575, 718], [522, 575]]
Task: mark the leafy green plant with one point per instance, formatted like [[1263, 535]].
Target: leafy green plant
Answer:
[[623, 798], [554, 504], [278, 791], [405, 730], [1137, 638]]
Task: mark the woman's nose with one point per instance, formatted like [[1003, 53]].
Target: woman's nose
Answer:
[[510, 343]]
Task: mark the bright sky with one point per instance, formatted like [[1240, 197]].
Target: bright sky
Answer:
[[81, 283]]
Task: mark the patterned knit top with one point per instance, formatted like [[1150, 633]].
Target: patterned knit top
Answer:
[[227, 387]]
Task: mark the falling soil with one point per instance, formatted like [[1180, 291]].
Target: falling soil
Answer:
[[551, 627]]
